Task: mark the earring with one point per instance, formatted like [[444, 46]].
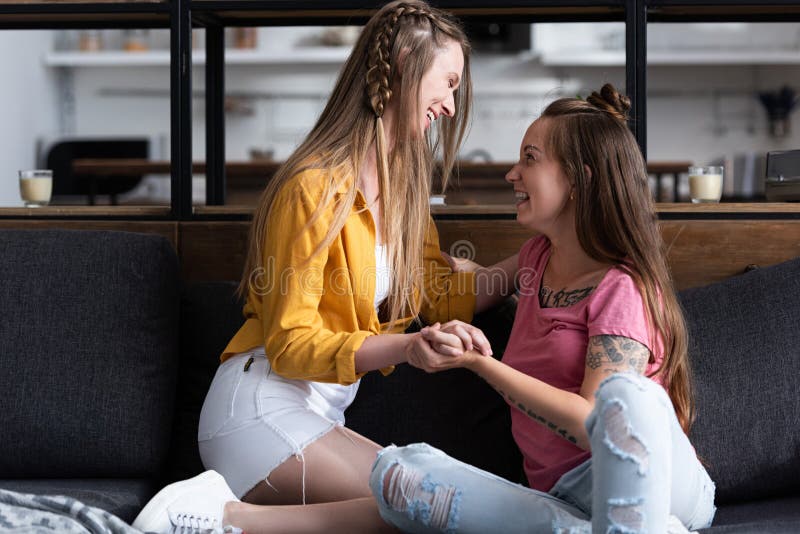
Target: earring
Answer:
[[572, 195]]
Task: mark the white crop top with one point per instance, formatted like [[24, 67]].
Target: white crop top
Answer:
[[381, 275]]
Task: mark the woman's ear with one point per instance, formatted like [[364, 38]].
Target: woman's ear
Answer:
[[587, 171]]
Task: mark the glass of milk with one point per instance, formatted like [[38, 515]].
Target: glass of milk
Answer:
[[705, 183], [35, 187]]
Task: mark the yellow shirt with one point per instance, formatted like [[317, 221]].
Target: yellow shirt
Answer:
[[312, 318]]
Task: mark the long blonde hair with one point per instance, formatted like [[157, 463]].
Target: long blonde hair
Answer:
[[352, 121], [616, 221]]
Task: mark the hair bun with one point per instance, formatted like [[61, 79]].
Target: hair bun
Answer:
[[611, 101]]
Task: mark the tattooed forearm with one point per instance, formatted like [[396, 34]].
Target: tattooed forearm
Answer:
[[616, 354], [530, 413]]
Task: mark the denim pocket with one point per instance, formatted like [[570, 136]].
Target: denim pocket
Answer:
[[218, 406]]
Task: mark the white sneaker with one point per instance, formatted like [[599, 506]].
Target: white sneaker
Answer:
[[674, 526], [196, 504]]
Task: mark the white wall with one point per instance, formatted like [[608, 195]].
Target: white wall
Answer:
[[682, 123], [28, 108]]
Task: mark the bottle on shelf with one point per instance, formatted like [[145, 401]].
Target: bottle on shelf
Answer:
[[135, 40], [245, 37], [90, 41]]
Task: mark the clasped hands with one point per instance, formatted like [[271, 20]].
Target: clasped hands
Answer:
[[447, 346]]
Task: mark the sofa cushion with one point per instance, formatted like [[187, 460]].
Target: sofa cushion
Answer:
[[745, 353], [122, 497], [766, 526], [90, 348], [783, 509]]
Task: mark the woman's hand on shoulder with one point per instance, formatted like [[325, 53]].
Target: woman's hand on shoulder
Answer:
[[461, 264]]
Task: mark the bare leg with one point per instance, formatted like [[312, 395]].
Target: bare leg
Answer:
[[337, 468], [356, 515]]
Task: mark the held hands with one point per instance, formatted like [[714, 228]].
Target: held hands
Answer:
[[448, 346]]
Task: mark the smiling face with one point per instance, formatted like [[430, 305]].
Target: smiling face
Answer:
[[540, 185], [438, 84]]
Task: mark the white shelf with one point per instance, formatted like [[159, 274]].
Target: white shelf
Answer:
[[337, 55], [106, 59], [616, 58], [159, 58]]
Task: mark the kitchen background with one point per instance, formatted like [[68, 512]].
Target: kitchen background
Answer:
[[703, 105]]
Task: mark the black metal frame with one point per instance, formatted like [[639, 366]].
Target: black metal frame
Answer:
[[636, 69], [215, 115], [314, 12], [181, 110], [49, 16], [215, 15], [723, 11]]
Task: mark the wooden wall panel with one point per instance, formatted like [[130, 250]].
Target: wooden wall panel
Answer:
[[484, 241], [213, 250], [699, 251], [702, 252], [166, 229]]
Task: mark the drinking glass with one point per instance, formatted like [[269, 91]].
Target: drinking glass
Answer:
[[36, 187], [705, 183]]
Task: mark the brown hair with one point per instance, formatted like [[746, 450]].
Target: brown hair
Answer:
[[616, 221], [352, 121]]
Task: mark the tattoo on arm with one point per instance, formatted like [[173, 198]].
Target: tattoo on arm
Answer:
[[530, 413], [616, 354]]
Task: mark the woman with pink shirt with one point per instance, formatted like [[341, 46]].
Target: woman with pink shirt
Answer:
[[596, 370]]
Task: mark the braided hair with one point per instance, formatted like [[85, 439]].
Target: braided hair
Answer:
[[379, 70]]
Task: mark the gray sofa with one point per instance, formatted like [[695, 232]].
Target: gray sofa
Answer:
[[107, 358]]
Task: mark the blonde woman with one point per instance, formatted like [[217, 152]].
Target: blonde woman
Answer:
[[343, 256]]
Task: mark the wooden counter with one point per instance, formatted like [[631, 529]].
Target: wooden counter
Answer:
[[83, 212], [490, 211], [509, 211]]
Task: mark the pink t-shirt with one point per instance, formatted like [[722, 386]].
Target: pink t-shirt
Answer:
[[550, 344]]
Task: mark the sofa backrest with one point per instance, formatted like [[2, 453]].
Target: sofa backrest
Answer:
[[89, 335], [744, 343]]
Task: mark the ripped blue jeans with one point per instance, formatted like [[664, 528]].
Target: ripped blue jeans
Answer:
[[642, 470]]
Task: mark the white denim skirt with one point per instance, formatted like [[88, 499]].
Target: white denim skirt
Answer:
[[253, 420]]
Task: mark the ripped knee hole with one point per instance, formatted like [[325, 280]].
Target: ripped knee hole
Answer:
[[414, 493]]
